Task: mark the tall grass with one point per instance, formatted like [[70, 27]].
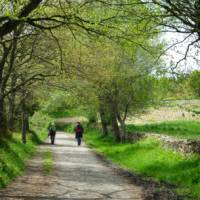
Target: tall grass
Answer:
[[181, 129], [148, 158]]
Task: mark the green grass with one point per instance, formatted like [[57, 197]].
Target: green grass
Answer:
[[13, 155], [47, 162], [181, 129], [148, 158]]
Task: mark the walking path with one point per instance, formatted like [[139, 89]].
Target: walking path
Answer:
[[79, 174]]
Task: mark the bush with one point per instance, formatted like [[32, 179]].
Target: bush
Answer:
[[38, 124], [92, 117]]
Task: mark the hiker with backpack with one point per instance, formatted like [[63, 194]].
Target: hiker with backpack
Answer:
[[52, 132], [78, 133]]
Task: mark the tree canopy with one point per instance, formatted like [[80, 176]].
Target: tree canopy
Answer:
[[101, 54]]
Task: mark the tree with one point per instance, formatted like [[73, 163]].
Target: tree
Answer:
[[180, 16], [22, 65], [25, 19], [92, 59], [113, 78], [94, 17]]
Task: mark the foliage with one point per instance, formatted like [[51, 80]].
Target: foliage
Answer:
[[175, 87], [39, 123], [59, 103], [194, 82], [109, 76], [69, 128], [156, 162], [55, 45]]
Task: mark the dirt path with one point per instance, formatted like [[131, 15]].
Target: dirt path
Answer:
[[79, 174]]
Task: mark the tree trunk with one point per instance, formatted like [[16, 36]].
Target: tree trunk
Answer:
[[123, 128], [104, 123], [12, 24], [3, 123], [27, 123], [24, 122], [11, 104], [11, 111], [115, 126]]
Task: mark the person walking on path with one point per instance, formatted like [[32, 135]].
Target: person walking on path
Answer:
[[52, 132], [79, 133]]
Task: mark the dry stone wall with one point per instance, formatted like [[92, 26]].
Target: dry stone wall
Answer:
[[184, 146]]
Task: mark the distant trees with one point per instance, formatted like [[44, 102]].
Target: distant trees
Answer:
[[194, 82]]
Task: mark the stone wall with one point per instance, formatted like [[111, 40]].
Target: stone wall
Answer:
[[184, 146], [134, 137]]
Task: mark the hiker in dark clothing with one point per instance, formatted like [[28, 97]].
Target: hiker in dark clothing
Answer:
[[52, 131], [79, 132]]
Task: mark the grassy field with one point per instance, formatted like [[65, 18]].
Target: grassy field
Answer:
[[148, 158], [181, 129], [169, 110]]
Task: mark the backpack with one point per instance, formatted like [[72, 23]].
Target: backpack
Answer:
[[51, 130], [79, 129]]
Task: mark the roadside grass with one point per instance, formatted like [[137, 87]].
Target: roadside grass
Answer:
[[13, 155], [148, 158], [47, 162], [181, 129]]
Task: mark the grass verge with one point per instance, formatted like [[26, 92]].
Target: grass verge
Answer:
[[47, 162], [148, 158], [181, 129], [13, 155]]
